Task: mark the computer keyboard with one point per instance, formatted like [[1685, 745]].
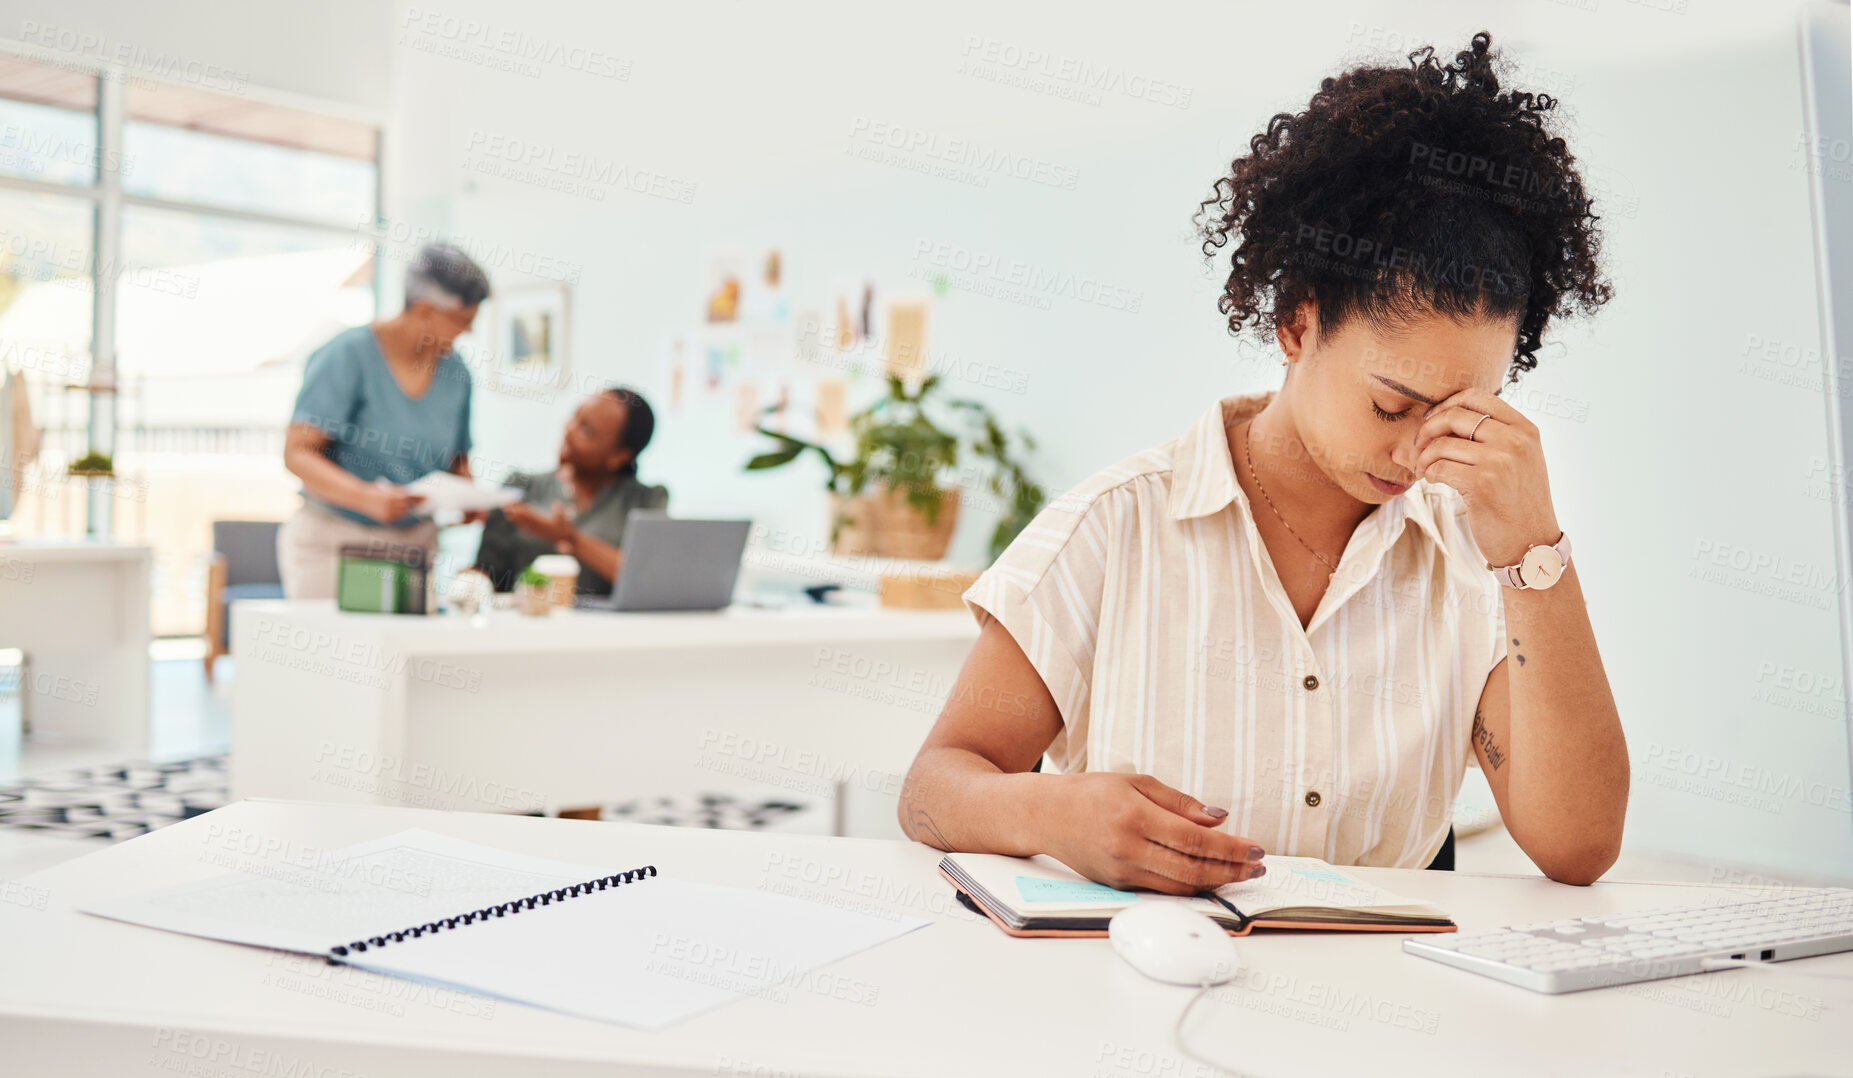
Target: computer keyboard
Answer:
[[1594, 952]]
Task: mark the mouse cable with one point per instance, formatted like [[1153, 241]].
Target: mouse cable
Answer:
[[1177, 1034]]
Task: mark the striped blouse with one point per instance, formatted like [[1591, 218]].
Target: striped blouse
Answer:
[[1146, 600]]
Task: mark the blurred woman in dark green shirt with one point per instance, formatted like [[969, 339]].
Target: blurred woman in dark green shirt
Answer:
[[580, 509]]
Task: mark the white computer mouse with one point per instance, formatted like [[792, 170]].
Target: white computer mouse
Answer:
[[1170, 943]]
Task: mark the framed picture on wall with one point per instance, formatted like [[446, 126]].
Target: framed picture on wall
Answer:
[[531, 327]]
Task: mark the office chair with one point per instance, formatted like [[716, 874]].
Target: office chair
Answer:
[[244, 566]]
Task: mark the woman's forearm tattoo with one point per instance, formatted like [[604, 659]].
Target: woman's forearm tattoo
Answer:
[[921, 828], [1484, 738]]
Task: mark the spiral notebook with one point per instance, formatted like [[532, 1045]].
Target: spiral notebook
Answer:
[[633, 946]]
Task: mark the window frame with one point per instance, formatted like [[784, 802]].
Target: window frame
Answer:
[[108, 201]]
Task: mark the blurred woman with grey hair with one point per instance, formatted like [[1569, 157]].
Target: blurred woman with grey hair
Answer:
[[381, 405]]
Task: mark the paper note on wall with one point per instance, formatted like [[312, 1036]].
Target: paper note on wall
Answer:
[[906, 352], [832, 407], [746, 407]]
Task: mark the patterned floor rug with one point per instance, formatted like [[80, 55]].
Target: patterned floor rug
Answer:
[[116, 801], [722, 811], [121, 801]]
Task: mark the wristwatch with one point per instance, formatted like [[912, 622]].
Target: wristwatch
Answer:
[[1541, 566]]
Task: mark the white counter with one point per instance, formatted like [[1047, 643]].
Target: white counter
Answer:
[[527, 714], [79, 611]]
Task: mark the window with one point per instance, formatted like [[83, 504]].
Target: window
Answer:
[[49, 147], [48, 123], [197, 147], [243, 241]]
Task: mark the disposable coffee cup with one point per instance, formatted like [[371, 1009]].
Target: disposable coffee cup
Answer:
[[562, 573]]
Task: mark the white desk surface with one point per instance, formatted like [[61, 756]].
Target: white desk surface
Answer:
[[73, 550], [505, 631], [81, 995]]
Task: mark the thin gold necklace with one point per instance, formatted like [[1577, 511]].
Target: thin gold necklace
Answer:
[[1248, 454]]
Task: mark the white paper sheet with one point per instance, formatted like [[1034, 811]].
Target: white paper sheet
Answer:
[[1309, 882], [320, 899], [443, 490], [648, 953]]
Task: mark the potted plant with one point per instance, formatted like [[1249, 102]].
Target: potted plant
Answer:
[[92, 465], [891, 497], [533, 592]]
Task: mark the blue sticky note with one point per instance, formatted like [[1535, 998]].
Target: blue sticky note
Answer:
[[1323, 874], [1038, 889]]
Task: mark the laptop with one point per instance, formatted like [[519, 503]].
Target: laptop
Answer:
[[672, 564]]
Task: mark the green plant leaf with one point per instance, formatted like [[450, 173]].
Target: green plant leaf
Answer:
[[774, 459]]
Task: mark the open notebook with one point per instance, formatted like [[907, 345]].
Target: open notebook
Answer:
[[635, 947], [1040, 896]]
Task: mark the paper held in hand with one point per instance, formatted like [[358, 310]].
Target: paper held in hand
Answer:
[[443, 490]]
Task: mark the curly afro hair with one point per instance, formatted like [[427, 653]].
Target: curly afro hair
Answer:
[[1401, 192]]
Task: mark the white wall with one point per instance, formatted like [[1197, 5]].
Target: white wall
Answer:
[[334, 50], [1705, 537]]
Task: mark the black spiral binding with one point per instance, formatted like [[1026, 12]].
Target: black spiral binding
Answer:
[[502, 910]]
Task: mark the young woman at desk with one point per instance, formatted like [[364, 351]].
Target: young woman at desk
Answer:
[[1285, 629]]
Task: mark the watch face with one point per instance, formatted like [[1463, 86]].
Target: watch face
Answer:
[[1540, 567]]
